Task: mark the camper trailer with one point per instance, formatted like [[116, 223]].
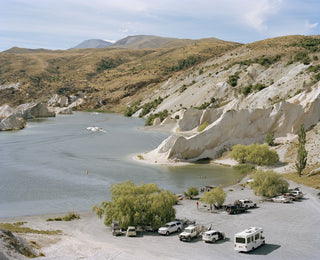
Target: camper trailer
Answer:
[[249, 239]]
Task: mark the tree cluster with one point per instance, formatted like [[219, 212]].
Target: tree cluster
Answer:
[[133, 205], [268, 183], [259, 154]]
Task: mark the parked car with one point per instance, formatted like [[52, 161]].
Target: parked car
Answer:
[[248, 203], [297, 194], [191, 232], [171, 227], [131, 231], [115, 229], [281, 199], [212, 235]]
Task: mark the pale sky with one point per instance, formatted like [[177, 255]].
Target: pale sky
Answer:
[[62, 24]]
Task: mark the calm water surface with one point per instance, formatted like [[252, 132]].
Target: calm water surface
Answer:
[[43, 168]]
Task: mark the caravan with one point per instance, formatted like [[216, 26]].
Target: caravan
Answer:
[[249, 239]]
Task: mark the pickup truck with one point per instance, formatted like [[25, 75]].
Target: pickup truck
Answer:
[[234, 209], [174, 226], [213, 235], [191, 232], [248, 203]]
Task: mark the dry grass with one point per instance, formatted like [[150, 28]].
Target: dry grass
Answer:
[[139, 73], [19, 228]]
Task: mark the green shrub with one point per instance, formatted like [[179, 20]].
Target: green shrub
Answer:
[[162, 115], [146, 108], [192, 192], [259, 86], [255, 154], [186, 63], [268, 183], [203, 126], [246, 90], [317, 77], [233, 79], [183, 88], [311, 44], [269, 139], [315, 68], [302, 57]]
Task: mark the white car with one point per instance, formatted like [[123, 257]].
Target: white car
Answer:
[[212, 235], [248, 203], [281, 199], [131, 232], [171, 227]]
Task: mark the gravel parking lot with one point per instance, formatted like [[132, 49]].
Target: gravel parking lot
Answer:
[[292, 231]]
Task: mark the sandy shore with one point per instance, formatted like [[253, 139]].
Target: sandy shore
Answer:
[[292, 231]]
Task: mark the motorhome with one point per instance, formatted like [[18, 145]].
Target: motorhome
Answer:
[[249, 239]]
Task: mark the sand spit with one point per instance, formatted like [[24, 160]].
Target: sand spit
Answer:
[[291, 231]]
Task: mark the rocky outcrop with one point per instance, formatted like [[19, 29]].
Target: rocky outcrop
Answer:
[[242, 126], [33, 110], [6, 111], [12, 123], [190, 119], [14, 247], [58, 101], [14, 119]]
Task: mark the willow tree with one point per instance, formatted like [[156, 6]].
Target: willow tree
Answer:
[[133, 205], [302, 152], [216, 196], [268, 183]]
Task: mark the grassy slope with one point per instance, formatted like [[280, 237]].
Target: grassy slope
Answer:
[[42, 73], [138, 74]]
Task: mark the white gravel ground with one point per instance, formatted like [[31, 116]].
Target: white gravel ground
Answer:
[[292, 231]]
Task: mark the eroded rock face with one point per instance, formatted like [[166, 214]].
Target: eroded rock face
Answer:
[[243, 126], [6, 111], [58, 101], [13, 247], [190, 119], [12, 123], [33, 110]]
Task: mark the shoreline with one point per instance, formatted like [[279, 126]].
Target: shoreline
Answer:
[[89, 238]]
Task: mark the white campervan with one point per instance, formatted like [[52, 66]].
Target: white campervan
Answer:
[[249, 239]]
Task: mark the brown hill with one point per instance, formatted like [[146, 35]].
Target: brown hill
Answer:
[[108, 76]]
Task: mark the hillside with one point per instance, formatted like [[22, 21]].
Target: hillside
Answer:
[[109, 77], [271, 86]]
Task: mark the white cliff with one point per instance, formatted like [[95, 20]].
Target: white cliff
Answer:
[[244, 125]]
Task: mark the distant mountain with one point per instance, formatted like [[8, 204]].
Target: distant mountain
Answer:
[[142, 42], [18, 50], [93, 43]]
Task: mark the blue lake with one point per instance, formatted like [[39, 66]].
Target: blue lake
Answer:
[[43, 168]]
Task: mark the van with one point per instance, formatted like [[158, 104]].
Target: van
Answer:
[[131, 232], [249, 239]]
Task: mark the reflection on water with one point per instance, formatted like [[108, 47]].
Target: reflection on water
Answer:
[[43, 168]]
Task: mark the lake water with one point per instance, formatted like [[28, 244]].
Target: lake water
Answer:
[[43, 168]]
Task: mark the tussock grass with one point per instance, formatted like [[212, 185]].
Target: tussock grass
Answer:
[[19, 228], [68, 217]]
